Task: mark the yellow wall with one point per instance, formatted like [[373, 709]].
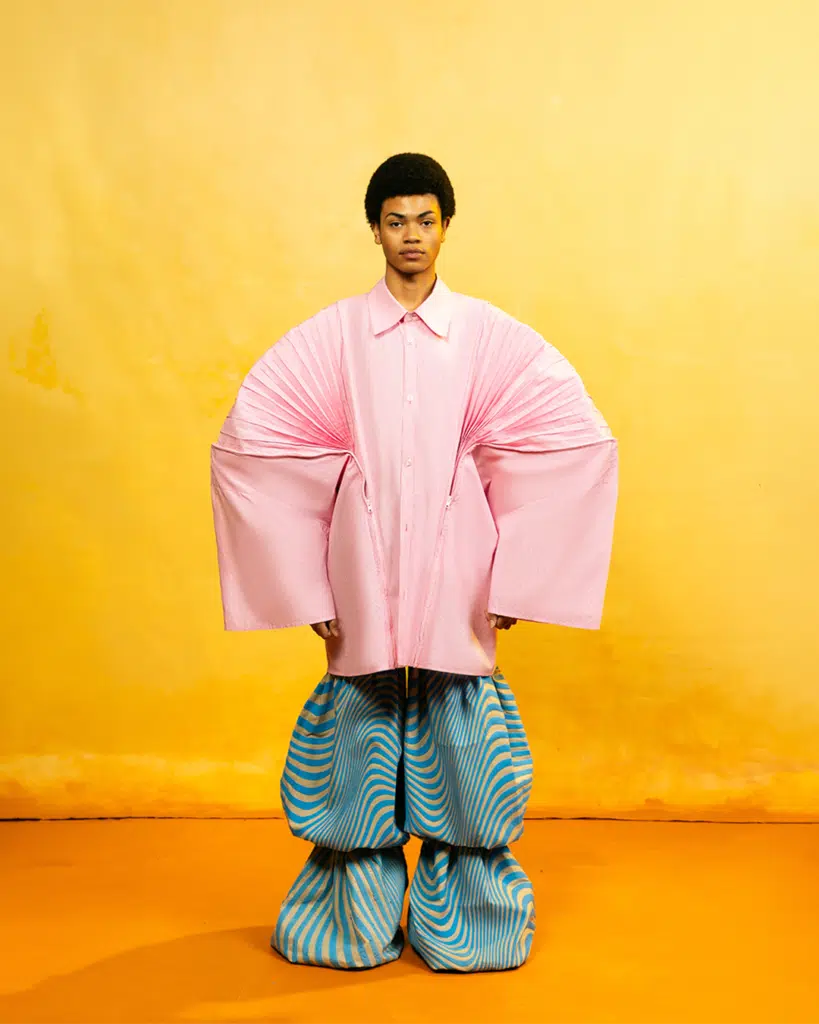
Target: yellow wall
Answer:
[[181, 182]]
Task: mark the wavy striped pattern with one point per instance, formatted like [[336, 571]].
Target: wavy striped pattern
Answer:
[[463, 787], [467, 764], [344, 910], [339, 783], [470, 910]]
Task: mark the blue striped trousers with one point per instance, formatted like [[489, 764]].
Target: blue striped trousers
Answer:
[[376, 758]]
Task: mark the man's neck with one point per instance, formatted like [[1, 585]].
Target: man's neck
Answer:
[[410, 289]]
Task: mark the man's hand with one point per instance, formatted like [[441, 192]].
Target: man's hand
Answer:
[[500, 621], [326, 629]]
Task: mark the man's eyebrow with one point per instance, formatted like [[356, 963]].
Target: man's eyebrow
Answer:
[[403, 216]]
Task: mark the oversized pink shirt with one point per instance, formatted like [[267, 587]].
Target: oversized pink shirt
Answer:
[[405, 472], [408, 415]]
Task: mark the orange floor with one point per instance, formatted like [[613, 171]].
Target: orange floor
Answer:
[[150, 921]]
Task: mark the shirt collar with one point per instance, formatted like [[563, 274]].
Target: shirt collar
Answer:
[[386, 310]]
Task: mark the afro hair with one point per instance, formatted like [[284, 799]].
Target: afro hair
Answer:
[[408, 174]]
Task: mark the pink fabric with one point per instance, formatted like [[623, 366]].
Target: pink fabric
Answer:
[[405, 473]]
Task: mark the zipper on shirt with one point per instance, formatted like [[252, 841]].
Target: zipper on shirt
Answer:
[[435, 568], [379, 558]]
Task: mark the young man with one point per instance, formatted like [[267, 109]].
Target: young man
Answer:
[[408, 471]]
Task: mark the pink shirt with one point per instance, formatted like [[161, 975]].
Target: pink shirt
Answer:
[[407, 419], [405, 472]]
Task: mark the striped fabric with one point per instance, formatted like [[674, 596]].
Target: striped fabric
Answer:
[[462, 788], [341, 771], [468, 770], [470, 910], [344, 909]]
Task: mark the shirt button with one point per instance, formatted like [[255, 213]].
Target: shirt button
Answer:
[[409, 462], [410, 397], [412, 316]]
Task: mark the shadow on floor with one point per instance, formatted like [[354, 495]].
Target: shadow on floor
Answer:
[[230, 975]]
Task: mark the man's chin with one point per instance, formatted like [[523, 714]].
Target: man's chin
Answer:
[[409, 268]]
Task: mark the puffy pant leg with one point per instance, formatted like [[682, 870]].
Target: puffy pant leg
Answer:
[[340, 791], [468, 774]]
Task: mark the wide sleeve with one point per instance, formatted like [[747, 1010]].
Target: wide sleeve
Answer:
[[549, 465], [275, 469], [272, 520]]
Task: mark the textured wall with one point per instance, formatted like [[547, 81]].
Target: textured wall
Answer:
[[182, 181]]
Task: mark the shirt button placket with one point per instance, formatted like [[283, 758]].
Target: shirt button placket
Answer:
[[408, 445]]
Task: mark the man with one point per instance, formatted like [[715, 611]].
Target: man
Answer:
[[408, 471]]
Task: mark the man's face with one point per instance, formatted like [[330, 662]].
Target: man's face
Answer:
[[407, 223]]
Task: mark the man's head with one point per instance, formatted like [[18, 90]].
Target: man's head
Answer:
[[409, 204]]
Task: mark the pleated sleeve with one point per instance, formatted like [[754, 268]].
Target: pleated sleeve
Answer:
[[549, 464], [275, 468]]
